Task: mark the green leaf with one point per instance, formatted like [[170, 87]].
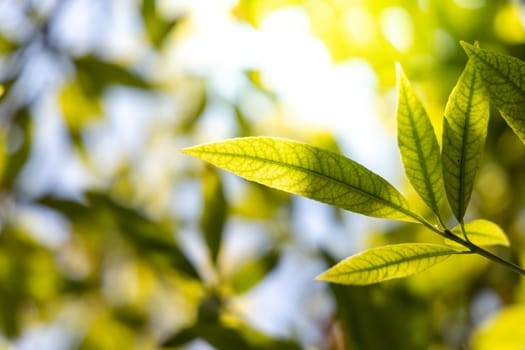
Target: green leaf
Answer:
[[95, 75], [214, 211], [20, 131], [156, 27], [251, 273], [418, 144], [504, 79], [464, 132], [387, 262], [480, 232], [308, 171]]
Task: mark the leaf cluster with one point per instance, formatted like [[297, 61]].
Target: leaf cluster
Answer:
[[435, 173]]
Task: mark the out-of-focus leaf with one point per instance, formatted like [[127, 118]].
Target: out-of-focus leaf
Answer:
[[259, 202], [78, 107], [504, 79], [301, 169], [18, 135], [95, 75], [224, 333], [6, 45], [194, 112], [28, 276], [251, 273], [226, 337], [148, 238], [156, 27], [464, 131], [480, 232], [243, 125], [214, 211], [108, 333], [502, 331], [418, 145], [387, 262]]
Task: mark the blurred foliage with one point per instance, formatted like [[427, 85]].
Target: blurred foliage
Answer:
[[101, 240]]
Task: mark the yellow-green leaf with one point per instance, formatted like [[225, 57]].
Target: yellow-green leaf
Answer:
[[481, 232], [504, 79], [387, 262], [418, 144], [464, 132], [298, 168], [504, 330]]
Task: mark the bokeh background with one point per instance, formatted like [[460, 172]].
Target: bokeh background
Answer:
[[112, 239]]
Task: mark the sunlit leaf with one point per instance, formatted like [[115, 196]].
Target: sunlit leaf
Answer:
[[309, 171], [504, 79], [251, 273], [387, 262], [481, 232], [359, 306], [464, 131], [418, 145]]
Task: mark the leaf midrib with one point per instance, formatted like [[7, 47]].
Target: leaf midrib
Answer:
[[463, 149], [385, 265], [477, 54], [316, 173], [420, 155]]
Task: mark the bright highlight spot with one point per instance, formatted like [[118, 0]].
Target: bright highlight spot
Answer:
[[359, 25], [397, 27], [508, 24], [470, 4]]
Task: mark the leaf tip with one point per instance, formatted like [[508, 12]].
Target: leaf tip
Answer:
[[190, 151], [467, 47], [399, 72], [323, 277]]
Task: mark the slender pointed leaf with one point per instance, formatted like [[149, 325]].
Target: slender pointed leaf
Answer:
[[418, 144], [387, 262], [464, 132], [504, 79], [214, 212], [253, 272], [308, 171], [480, 232]]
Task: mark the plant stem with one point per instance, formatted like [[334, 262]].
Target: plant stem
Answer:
[[477, 249], [471, 246]]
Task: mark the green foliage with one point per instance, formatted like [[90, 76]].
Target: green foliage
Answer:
[[122, 269], [251, 273], [325, 176], [388, 262], [418, 144], [481, 232], [504, 79], [309, 171], [464, 131], [157, 28], [214, 212]]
